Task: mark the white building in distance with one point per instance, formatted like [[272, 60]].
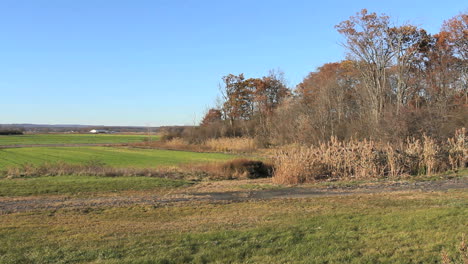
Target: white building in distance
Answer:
[[99, 131]]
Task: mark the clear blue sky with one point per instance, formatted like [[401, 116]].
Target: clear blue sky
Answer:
[[159, 62]]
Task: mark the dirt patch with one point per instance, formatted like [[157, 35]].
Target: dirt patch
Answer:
[[206, 193]]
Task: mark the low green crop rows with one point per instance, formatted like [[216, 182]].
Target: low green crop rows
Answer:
[[40, 139], [112, 156]]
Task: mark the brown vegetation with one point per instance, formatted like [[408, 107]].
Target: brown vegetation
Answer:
[[225, 144], [461, 257], [240, 144], [368, 159]]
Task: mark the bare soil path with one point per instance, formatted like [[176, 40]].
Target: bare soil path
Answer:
[[25, 204]]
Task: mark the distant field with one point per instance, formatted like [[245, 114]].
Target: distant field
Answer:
[[71, 139], [112, 156]]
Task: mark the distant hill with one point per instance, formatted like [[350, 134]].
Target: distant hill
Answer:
[[46, 128], [57, 128]]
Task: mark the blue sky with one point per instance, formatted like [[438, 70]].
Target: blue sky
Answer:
[[159, 62]]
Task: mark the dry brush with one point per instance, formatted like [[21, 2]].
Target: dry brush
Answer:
[[368, 159]]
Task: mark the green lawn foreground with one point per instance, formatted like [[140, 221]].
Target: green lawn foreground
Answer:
[[40, 139], [112, 156], [379, 228]]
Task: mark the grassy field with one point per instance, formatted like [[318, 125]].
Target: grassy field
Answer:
[[397, 227], [379, 228], [83, 185], [33, 139], [113, 156]]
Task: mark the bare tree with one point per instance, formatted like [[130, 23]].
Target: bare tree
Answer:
[[368, 45], [405, 42]]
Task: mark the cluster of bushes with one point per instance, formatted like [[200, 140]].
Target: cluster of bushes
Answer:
[[236, 169], [368, 159]]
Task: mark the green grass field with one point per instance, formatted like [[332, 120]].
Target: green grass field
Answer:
[[379, 228], [112, 156], [33, 139], [83, 185]]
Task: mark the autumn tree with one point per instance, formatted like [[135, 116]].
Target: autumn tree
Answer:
[[270, 91], [330, 94], [368, 45], [456, 33], [238, 98], [405, 42], [441, 71], [213, 115]]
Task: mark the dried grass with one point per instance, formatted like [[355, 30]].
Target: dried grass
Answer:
[[234, 145], [458, 150], [240, 144], [368, 159], [460, 257]]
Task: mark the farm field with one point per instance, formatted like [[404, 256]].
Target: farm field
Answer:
[[112, 156], [43, 139], [141, 219]]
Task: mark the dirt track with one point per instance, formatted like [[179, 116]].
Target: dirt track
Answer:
[[24, 204]]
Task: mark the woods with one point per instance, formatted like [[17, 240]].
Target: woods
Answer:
[[397, 81], [394, 106]]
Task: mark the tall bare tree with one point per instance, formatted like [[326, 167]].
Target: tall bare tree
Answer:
[[368, 45], [406, 42], [456, 30]]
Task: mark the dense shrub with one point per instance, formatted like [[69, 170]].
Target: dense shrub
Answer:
[[244, 168], [234, 169]]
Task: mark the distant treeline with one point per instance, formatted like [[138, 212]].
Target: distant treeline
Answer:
[[10, 132], [32, 128]]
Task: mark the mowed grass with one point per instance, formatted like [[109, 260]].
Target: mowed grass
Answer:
[[41, 139], [83, 185], [378, 228], [112, 156]]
